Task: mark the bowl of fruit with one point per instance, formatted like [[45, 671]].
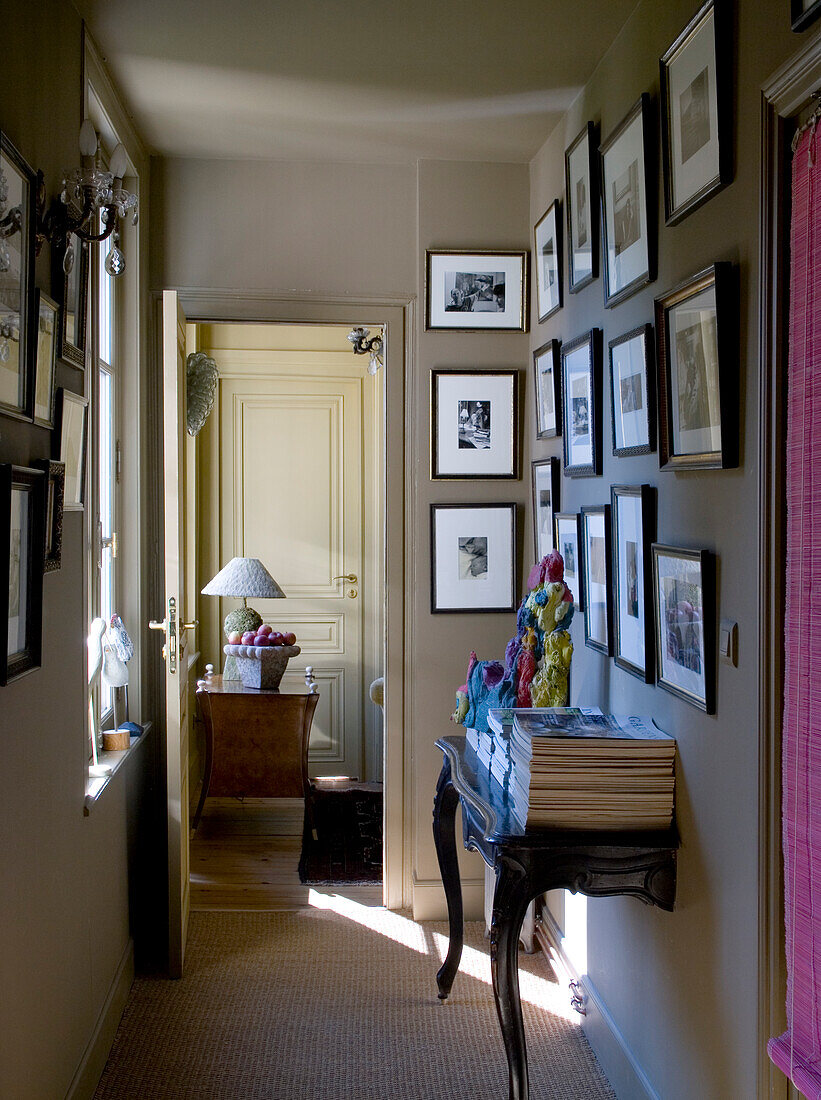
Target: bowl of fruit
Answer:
[[262, 655]]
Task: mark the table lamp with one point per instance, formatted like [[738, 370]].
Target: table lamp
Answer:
[[243, 577]]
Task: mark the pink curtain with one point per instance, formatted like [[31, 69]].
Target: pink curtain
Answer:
[[798, 1051]]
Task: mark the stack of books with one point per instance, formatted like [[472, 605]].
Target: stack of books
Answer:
[[576, 768]]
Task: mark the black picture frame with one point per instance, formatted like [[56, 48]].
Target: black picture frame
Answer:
[[71, 446], [53, 520], [494, 450], [545, 477], [627, 183], [698, 374], [452, 527], [73, 301], [582, 448], [22, 499], [696, 118], [581, 173], [681, 613], [633, 388], [17, 287], [598, 612], [449, 290], [634, 647], [45, 337], [547, 374], [567, 535], [804, 17], [547, 259]]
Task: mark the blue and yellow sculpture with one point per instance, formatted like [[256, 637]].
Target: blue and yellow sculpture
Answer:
[[537, 657]]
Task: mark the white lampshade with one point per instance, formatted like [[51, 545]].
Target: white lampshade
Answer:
[[118, 162], [88, 138], [246, 577]]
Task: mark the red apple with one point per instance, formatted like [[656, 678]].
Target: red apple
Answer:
[[261, 639], [265, 629], [275, 638], [235, 637], [248, 638], [289, 639]]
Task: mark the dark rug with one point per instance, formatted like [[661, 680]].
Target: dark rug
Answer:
[[347, 847]]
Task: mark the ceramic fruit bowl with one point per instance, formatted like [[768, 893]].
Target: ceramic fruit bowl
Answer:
[[261, 666]]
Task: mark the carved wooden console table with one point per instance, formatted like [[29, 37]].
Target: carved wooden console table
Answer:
[[528, 862]]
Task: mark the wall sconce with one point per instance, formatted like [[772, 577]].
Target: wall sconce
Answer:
[[363, 346], [89, 191]]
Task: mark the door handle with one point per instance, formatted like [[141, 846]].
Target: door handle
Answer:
[[190, 626], [351, 578]]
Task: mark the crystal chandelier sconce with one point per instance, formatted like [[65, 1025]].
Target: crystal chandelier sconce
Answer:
[[99, 197], [363, 346]]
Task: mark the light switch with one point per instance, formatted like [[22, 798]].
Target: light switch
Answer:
[[728, 641]]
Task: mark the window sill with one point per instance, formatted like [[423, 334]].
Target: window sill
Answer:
[[95, 785]]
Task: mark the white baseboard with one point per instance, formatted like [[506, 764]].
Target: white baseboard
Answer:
[[94, 1058], [429, 901], [617, 1060]]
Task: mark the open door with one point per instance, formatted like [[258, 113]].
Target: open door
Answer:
[[176, 650]]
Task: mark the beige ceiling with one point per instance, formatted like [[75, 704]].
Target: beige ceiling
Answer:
[[372, 80]]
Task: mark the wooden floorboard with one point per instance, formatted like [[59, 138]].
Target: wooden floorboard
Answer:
[[241, 859]]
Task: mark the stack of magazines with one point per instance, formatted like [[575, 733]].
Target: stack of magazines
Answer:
[[576, 768]]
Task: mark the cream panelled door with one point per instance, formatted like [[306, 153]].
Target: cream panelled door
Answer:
[[291, 495]]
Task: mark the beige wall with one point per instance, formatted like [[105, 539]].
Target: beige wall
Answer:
[[682, 988]]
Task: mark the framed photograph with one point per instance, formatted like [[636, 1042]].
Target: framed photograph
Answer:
[[546, 476], [695, 112], [804, 13], [684, 599], [581, 395], [567, 539], [473, 557], [44, 339], [75, 296], [17, 182], [72, 410], [53, 526], [482, 290], [698, 373], [582, 202], [632, 392], [21, 561], [474, 423], [547, 236], [633, 511], [628, 209], [597, 579], [547, 372]]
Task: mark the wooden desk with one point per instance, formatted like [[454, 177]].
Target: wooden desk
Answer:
[[256, 741], [528, 862]]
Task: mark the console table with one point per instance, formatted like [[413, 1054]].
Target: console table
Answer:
[[528, 862]]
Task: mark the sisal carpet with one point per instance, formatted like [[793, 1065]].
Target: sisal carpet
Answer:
[[324, 1005]]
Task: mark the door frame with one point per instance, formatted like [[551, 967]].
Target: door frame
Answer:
[[782, 97], [396, 315]]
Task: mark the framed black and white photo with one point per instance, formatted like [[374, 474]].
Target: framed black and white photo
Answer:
[[697, 372], [546, 476], [567, 539], [628, 209], [582, 202], [548, 259], [16, 281], [71, 433], [632, 392], [597, 577], [695, 112], [804, 13], [46, 317], [581, 396], [74, 272], [21, 561], [547, 368], [473, 557], [633, 512], [684, 598], [474, 423], [53, 526], [476, 291]]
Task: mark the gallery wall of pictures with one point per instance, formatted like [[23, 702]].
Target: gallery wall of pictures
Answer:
[[636, 377]]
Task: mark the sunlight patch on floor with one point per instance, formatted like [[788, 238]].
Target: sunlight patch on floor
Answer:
[[387, 923]]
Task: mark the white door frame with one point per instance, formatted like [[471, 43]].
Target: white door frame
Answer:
[[214, 306]]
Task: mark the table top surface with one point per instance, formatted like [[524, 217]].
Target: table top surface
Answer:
[[216, 685], [485, 795]]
